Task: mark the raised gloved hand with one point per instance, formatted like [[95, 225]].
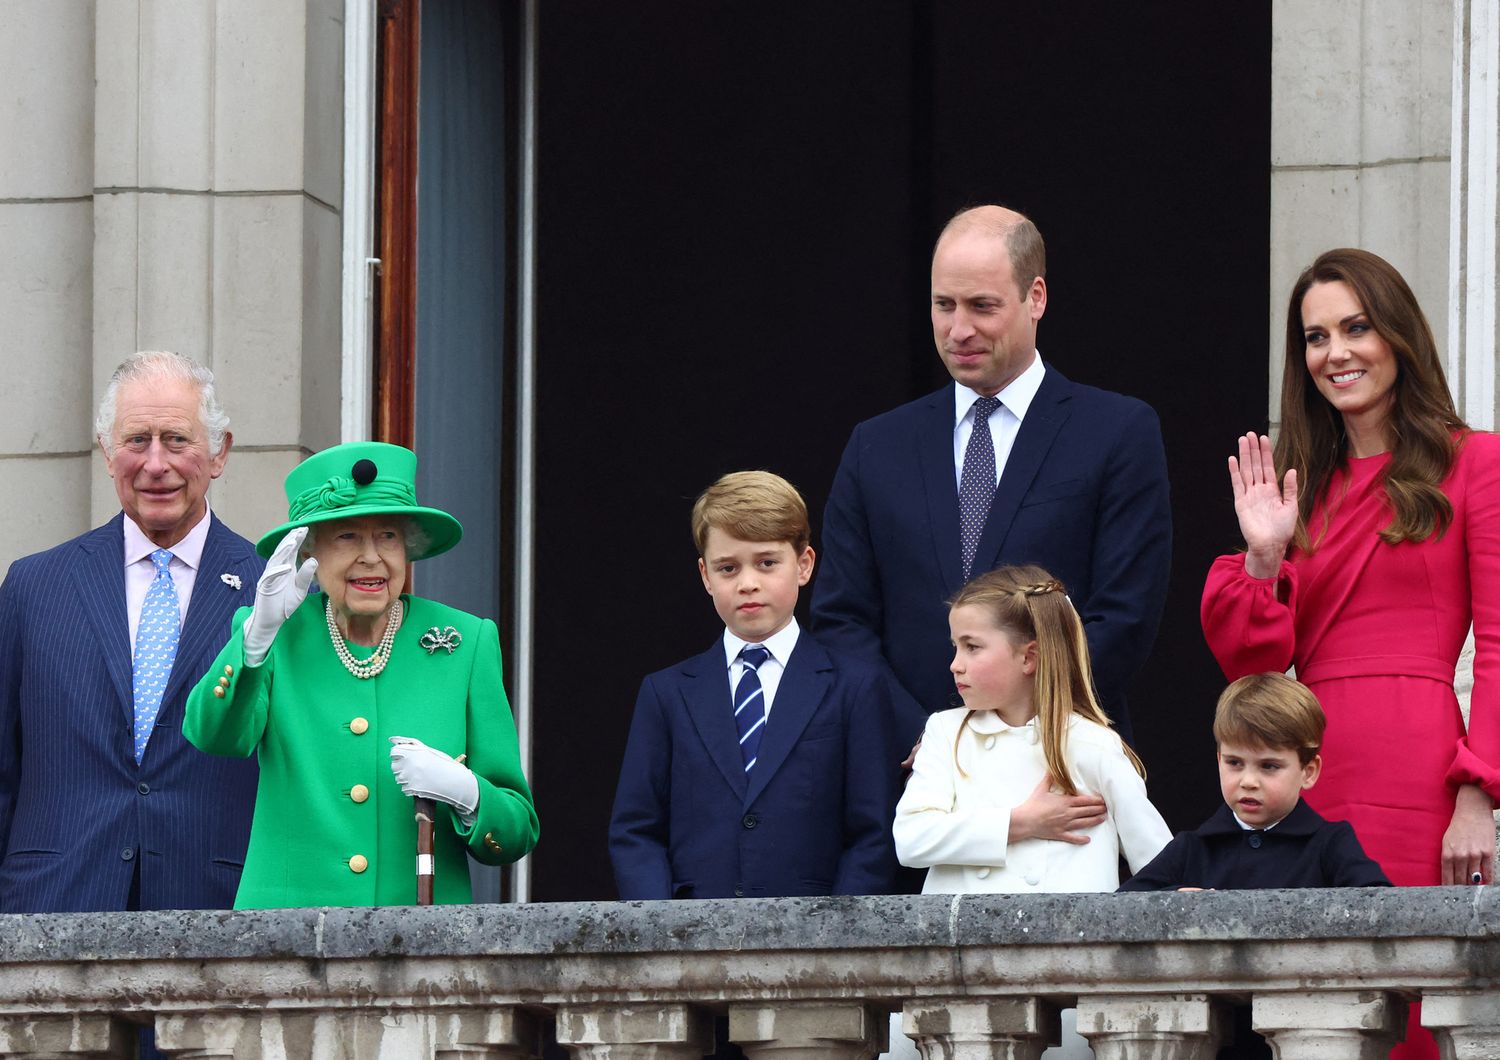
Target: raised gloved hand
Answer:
[[428, 773], [281, 589]]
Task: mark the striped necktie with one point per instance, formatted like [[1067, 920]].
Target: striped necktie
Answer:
[[155, 649], [750, 703]]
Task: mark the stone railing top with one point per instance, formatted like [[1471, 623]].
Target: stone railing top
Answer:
[[749, 925]]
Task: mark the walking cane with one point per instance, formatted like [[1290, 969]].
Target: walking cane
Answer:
[[426, 814]]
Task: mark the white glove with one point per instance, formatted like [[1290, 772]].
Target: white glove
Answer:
[[281, 589], [428, 773]]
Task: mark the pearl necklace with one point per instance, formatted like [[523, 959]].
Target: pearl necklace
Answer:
[[371, 667]]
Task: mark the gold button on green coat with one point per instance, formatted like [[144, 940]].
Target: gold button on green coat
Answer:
[[301, 727]]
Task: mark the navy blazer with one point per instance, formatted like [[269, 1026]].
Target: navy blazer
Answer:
[[75, 809], [1303, 850], [814, 817], [1083, 494]]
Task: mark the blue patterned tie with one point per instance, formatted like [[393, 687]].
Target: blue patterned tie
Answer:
[[976, 486], [750, 703], [155, 649]]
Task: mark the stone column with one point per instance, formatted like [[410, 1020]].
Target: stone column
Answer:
[[1465, 1023], [1348, 1025], [80, 1035], [46, 272], [809, 1030], [217, 169], [1004, 1028], [1153, 1026], [635, 1032]]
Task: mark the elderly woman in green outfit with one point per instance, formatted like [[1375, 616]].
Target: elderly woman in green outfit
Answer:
[[359, 697]]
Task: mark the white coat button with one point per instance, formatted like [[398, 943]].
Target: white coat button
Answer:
[[989, 743], [1033, 879], [983, 874]]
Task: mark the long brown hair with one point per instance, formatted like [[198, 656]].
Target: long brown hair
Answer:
[[1422, 418], [1028, 604]]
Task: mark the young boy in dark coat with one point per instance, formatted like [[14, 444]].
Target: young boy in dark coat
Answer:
[[1269, 729]]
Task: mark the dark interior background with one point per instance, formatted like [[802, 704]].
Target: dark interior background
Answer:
[[736, 207]]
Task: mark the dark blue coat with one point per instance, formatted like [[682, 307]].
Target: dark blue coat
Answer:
[[1303, 850], [815, 816], [75, 809], [1084, 494]]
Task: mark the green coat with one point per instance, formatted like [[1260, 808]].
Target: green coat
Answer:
[[301, 711]]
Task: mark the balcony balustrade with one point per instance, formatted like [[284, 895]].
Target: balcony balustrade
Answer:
[[1328, 974]]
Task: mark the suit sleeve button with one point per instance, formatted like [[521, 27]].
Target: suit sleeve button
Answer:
[[750, 820], [359, 726], [359, 793], [358, 863]]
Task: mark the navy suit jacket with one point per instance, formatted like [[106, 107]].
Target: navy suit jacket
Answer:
[[813, 818], [1084, 494], [75, 809]]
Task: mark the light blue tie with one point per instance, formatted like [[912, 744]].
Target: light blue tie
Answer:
[[155, 649]]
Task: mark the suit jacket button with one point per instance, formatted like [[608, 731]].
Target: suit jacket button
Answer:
[[1033, 879], [739, 892], [983, 874], [219, 691], [228, 670], [750, 820], [989, 743], [358, 863], [143, 788], [359, 726], [128, 854], [359, 793], [1255, 840]]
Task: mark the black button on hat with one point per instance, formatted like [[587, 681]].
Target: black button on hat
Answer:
[[363, 472]]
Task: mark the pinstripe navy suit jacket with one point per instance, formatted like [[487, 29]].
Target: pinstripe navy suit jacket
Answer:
[[75, 809]]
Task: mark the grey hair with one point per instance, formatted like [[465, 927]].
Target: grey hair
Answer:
[[417, 539], [163, 364]]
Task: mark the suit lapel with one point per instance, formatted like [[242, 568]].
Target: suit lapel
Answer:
[[1044, 419], [99, 577], [935, 451], [210, 608], [705, 689], [804, 685]]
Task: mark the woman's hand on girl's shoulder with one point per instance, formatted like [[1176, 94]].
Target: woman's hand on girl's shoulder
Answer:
[[1267, 510]]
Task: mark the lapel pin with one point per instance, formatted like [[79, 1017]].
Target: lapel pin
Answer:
[[231, 580], [435, 638]]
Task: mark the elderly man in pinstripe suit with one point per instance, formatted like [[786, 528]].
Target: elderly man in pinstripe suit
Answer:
[[103, 804]]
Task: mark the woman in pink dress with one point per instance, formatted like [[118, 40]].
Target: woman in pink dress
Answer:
[[1368, 577]]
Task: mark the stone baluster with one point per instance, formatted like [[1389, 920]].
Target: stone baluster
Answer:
[[1002, 1028], [493, 1034], [1330, 1025], [82, 1035], [809, 1030], [445, 1034], [635, 1032], [1466, 1023], [1153, 1026]]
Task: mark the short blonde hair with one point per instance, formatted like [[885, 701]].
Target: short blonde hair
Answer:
[[752, 506], [1271, 710]]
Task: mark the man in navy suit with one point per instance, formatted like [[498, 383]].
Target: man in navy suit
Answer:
[[103, 804], [764, 767], [1065, 476]]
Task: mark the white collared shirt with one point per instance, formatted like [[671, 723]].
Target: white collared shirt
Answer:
[[780, 646], [140, 572], [1004, 423]]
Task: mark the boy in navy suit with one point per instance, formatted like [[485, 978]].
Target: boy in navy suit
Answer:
[[765, 766], [1269, 729]]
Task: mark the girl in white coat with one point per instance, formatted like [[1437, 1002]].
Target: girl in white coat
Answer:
[[1025, 788]]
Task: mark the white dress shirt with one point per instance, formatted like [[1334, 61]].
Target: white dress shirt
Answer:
[[780, 646], [1004, 422], [140, 572], [958, 825]]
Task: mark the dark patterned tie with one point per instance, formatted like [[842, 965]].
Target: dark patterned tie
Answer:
[[976, 487], [750, 703]]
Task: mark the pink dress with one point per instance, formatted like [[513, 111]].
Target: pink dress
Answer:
[[1375, 631]]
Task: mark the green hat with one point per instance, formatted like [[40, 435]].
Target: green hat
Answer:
[[360, 478]]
